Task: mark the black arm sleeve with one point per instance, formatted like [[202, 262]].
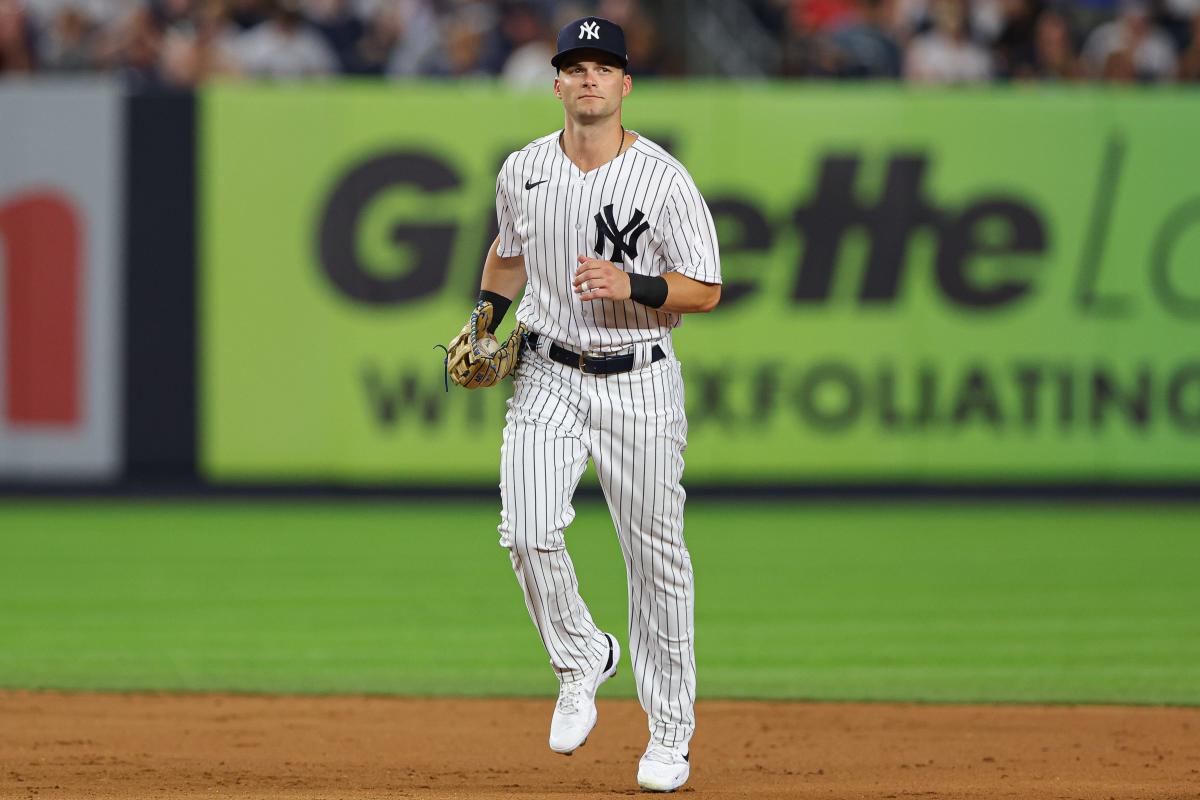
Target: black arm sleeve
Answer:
[[648, 290], [500, 305]]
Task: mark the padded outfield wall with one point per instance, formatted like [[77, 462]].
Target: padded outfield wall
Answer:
[[934, 287], [991, 287]]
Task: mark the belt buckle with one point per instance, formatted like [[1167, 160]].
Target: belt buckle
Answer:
[[584, 355]]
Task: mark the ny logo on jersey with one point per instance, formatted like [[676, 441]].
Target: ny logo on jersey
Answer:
[[624, 240], [589, 30]]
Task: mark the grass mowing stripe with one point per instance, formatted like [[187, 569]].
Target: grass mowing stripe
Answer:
[[947, 601]]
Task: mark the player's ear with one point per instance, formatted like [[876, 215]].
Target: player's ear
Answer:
[[626, 85], [557, 88]]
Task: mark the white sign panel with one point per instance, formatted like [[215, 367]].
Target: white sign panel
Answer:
[[60, 280]]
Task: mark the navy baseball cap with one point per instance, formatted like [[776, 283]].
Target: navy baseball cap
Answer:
[[591, 33]]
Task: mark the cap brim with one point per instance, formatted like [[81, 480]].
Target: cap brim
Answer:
[[560, 57]]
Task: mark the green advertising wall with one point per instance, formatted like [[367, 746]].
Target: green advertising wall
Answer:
[[944, 286]]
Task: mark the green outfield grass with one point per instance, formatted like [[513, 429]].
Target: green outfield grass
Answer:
[[851, 600]]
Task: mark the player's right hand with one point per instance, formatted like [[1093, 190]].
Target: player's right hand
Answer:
[[597, 279]]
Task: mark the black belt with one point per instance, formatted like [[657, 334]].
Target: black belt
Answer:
[[593, 365]]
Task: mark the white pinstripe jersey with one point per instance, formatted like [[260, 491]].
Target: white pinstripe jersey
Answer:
[[641, 210]]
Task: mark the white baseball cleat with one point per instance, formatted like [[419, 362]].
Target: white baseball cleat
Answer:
[[663, 769], [575, 712]]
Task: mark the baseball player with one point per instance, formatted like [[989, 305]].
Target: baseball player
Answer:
[[612, 243]]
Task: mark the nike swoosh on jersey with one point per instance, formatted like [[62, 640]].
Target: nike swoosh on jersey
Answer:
[[531, 184]]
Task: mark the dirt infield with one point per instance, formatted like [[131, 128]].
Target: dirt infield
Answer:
[[55, 745]]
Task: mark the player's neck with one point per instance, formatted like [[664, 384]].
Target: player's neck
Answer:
[[592, 146]]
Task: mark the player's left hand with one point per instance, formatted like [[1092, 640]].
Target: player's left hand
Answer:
[[474, 359], [600, 280]]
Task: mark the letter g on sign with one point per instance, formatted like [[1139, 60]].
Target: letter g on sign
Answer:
[[431, 241]]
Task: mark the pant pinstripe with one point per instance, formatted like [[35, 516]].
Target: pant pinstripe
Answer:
[[633, 428]]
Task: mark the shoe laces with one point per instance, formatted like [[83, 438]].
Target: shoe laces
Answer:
[[664, 755], [570, 697]]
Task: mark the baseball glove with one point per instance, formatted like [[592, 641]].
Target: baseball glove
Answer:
[[474, 359]]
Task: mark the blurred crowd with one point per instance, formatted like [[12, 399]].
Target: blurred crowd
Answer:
[[963, 41], [180, 43]]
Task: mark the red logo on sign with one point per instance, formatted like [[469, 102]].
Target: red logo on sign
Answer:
[[40, 248]]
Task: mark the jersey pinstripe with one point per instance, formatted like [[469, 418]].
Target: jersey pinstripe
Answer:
[[565, 212], [643, 211]]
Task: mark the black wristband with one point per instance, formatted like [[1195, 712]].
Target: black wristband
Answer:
[[500, 305], [649, 290]]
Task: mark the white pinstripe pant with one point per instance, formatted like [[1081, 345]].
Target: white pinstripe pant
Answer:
[[633, 427]]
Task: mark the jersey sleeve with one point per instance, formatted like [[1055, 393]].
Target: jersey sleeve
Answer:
[[506, 222], [689, 237]]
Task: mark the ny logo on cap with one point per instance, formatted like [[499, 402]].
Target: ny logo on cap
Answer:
[[591, 30]]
